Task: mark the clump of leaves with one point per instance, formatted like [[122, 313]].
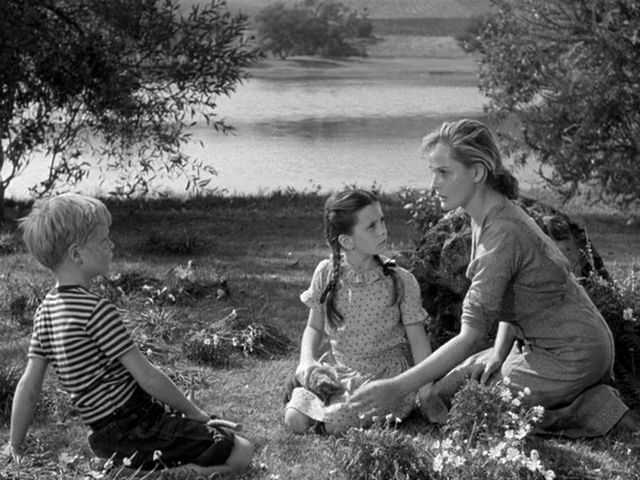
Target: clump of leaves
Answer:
[[119, 285], [208, 348], [214, 344], [178, 285], [382, 452]]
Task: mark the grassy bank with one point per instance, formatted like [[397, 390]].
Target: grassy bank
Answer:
[[266, 249]]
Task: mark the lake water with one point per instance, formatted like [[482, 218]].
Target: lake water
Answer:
[[327, 132]]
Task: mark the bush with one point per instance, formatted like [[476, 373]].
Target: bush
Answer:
[[382, 452], [313, 27], [484, 437]]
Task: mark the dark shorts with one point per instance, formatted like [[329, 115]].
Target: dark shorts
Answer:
[[143, 427]]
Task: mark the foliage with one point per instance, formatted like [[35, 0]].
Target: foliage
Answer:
[[569, 71], [468, 38], [214, 344], [113, 85], [382, 452], [178, 285], [484, 437], [313, 27], [619, 303]]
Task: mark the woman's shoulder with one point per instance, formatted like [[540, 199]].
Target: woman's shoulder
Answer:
[[511, 221]]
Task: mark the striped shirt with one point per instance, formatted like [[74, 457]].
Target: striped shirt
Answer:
[[82, 335]]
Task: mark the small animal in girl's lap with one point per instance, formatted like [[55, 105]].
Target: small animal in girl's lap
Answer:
[[321, 380]]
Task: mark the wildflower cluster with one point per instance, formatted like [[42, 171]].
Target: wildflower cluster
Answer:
[[214, 344], [485, 435]]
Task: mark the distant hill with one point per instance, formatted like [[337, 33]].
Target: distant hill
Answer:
[[381, 9]]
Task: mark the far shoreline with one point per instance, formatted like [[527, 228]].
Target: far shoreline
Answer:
[[427, 60]]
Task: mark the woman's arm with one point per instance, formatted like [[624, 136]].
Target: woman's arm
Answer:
[[378, 394], [501, 348]]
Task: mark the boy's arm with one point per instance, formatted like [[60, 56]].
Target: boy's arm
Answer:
[[25, 401], [159, 386], [501, 348]]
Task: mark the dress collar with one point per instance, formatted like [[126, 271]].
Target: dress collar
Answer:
[[351, 274]]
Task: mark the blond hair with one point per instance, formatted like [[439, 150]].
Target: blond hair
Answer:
[[56, 223], [471, 142]]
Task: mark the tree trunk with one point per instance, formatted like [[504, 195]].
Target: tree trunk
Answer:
[[2, 217]]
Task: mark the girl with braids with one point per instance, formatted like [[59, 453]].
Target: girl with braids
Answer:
[[551, 338], [369, 310]]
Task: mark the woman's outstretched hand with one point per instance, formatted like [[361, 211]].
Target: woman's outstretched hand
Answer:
[[375, 396]]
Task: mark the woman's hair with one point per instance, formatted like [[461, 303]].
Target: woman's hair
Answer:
[[340, 216], [472, 142], [56, 223]]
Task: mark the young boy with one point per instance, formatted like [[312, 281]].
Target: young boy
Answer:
[[112, 385]]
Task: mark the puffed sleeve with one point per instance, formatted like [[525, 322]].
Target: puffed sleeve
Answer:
[[311, 296], [497, 256], [411, 301]]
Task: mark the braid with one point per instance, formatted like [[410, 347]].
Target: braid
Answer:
[[388, 268], [340, 213], [334, 317]]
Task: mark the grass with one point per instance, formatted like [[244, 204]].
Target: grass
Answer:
[[266, 248]]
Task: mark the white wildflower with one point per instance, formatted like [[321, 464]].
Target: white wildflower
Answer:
[[526, 391], [506, 381], [157, 454], [549, 475], [505, 394], [537, 412], [438, 463], [533, 462], [512, 454], [496, 451], [627, 314], [523, 431]]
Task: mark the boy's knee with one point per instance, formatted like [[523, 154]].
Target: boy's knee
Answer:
[[296, 421], [241, 454]]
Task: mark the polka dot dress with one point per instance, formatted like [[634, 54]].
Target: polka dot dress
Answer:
[[369, 344]]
